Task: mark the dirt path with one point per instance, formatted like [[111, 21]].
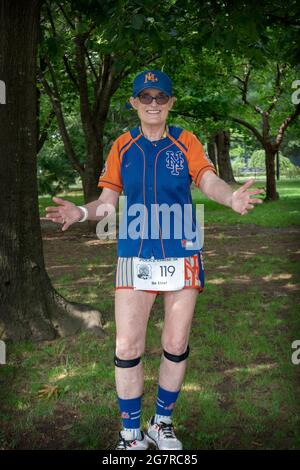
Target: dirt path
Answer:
[[226, 247]]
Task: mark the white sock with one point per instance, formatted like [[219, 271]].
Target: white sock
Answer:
[[135, 433], [159, 418]]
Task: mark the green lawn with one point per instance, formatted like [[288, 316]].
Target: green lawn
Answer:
[[282, 213], [241, 389]]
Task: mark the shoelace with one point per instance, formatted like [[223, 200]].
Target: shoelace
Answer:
[[167, 430], [123, 444]]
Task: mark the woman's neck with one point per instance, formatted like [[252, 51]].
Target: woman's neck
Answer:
[[153, 133]]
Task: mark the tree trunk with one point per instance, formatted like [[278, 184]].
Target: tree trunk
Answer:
[[271, 193], [92, 169], [90, 179], [212, 150], [29, 306], [277, 166], [224, 164]]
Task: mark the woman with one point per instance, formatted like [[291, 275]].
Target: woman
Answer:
[[153, 165]]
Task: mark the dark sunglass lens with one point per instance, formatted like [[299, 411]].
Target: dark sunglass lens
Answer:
[[162, 99], [145, 99]]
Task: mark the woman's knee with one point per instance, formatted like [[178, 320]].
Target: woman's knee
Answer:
[[127, 349], [175, 346]]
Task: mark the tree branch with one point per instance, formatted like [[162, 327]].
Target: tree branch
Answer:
[[82, 78], [51, 20], [278, 89], [44, 134], [244, 89], [72, 25], [109, 87], [90, 62], [100, 83], [250, 127], [287, 121], [69, 71], [65, 58], [56, 104], [65, 16]]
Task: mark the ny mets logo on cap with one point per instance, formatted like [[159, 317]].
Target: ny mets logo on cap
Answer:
[[174, 161], [150, 77]]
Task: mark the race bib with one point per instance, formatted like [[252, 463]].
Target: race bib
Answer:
[[154, 274]]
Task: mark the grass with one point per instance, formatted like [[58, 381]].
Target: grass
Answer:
[[282, 213], [241, 389]]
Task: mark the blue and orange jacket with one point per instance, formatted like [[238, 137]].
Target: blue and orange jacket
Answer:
[[154, 174]]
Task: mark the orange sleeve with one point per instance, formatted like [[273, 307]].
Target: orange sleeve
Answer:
[[111, 173], [198, 161]]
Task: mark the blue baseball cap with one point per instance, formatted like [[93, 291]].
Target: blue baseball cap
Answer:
[[152, 79]]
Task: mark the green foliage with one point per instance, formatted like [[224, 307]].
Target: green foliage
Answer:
[[286, 167], [54, 170], [201, 45], [257, 159]]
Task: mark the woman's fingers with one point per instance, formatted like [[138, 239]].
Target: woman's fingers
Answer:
[[257, 201], [58, 219], [63, 215], [58, 200], [54, 212], [51, 209], [66, 225], [52, 215], [57, 213], [249, 183], [245, 186], [256, 191]]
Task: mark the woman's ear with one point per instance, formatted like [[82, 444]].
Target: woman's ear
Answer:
[[132, 101]]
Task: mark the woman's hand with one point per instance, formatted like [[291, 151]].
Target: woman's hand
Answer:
[[241, 201], [66, 213]]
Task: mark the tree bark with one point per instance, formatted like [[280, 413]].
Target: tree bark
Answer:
[[212, 149], [93, 138], [224, 164], [271, 193], [29, 306]]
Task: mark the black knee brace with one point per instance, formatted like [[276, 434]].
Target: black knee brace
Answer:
[[126, 363], [174, 358]]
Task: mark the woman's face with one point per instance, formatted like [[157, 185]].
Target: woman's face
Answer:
[[152, 114]]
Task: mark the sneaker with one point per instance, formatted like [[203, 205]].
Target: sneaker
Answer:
[[163, 435], [127, 443]]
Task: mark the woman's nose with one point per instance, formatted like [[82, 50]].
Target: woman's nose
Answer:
[[154, 103]]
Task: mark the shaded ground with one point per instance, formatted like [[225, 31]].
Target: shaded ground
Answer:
[[226, 247], [239, 367]]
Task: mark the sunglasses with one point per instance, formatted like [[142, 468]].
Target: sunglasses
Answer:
[[145, 98]]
